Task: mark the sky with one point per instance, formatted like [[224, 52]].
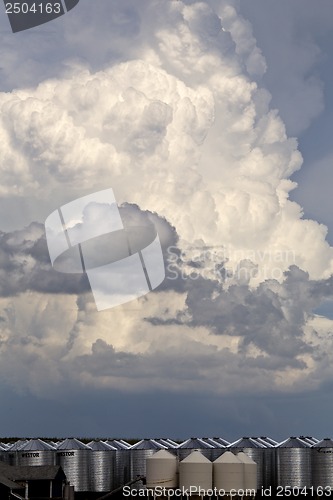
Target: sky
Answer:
[[210, 120]]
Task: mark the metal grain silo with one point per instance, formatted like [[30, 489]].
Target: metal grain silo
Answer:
[[222, 441], [255, 451], [12, 451], [309, 439], [228, 472], [196, 470], [74, 458], [168, 443], [322, 463], [269, 465], [139, 453], [36, 452], [4, 457], [293, 463], [162, 470], [122, 462], [250, 471], [217, 449], [102, 466], [185, 448]]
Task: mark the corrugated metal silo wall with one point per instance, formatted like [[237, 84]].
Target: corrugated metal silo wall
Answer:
[[257, 455], [102, 470], [294, 467], [76, 465], [33, 458], [138, 465], [322, 460], [122, 467]]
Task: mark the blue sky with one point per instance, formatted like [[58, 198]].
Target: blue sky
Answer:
[[212, 120]]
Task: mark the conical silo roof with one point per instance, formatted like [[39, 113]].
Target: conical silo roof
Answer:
[[214, 442], [162, 454], [72, 444], [246, 442], [168, 443], [123, 442], [268, 440], [309, 439], [222, 441], [293, 442], [118, 445], [195, 443], [101, 446], [264, 442], [148, 444], [36, 445], [196, 457], [324, 443], [228, 458], [17, 445]]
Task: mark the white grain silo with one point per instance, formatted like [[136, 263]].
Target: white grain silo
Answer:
[[185, 448], [255, 450], [139, 453], [250, 471], [228, 472], [162, 470], [197, 471]]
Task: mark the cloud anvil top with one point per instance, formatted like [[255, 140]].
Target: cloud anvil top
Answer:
[[88, 235]]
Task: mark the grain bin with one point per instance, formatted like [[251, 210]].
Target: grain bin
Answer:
[[269, 465], [74, 458], [122, 462], [309, 439], [162, 470], [4, 457], [35, 452], [139, 453], [222, 441], [293, 463], [322, 463], [196, 471], [168, 443], [217, 449], [228, 472], [254, 450], [185, 448], [102, 466], [250, 471], [12, 450]]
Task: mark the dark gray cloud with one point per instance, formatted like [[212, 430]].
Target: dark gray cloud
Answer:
[[270, 317]]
